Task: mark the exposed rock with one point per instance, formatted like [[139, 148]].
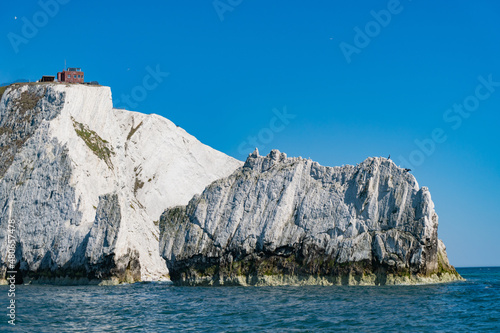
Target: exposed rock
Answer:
[[85, 183], [101, 245], [280, 220], [21, 114]]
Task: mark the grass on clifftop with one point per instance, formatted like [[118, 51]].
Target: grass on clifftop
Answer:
[[98, 145], [2, 90]]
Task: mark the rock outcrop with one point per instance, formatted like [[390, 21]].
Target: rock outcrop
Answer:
[[280, 220], [84, 184]]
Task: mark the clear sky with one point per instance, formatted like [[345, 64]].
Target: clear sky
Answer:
[[336, 81]]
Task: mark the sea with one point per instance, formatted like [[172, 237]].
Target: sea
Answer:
[[470, 306]]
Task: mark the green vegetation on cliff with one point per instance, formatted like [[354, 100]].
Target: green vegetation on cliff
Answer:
[[18, 124], [98, 145], [2, 90], [297, 269], [28, 100]]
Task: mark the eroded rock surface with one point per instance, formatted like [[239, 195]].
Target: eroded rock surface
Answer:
[[85, 183], [280, 220]]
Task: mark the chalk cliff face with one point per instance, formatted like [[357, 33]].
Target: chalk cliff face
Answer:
[[280, 220], [85, 184], [83, 187]]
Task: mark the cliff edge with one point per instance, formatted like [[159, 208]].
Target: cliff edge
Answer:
[[83, 184]]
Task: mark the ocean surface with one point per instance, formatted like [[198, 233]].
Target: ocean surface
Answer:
[[468, 306]]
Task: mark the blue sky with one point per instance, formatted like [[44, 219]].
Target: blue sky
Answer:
[[336, 81]]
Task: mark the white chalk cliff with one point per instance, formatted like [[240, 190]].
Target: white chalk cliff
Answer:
[[280, 220], [103, 195], [85, 184]]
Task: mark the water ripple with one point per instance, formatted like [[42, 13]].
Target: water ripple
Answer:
[[455, 307]]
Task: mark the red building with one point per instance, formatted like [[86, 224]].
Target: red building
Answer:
[[71, 75]]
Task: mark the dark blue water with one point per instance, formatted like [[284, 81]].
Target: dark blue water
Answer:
[[455, 307]]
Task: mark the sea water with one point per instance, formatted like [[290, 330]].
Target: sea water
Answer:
[[468, 306]]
